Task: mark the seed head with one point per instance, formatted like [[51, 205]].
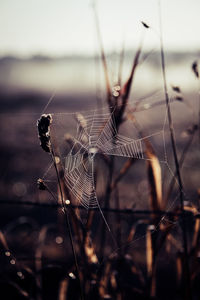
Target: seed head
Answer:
[[145, 24], [41, 184], [43, 125], [179, 98], [176, 89], [195, 68], [192, 129]]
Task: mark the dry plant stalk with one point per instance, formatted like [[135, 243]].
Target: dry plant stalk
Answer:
[[38, 260], [195, 69], [125, 91], [173, 143], [154, 169], [179, 268], [104, 280], [121, 61], [3, 241], [131, 234], [89, 250], [150, 259], [149, 252], [103, 58], [196, 231], [154, 176], [62, 293], [191, 132], [43, 125]]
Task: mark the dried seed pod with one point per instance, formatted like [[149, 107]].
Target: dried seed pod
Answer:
[[145, 24], [43, 125], [176, 89], [195, 69], [192, 129], [179, 98], [41, 185]]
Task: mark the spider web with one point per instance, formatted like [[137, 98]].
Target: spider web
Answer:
[[79, 178], [96, 134]]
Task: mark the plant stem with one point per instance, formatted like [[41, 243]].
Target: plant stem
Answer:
[[182, 158], [178, 174], [199, 108], [103, 57], [68, 222]]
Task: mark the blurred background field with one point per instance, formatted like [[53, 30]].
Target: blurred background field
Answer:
[[55, 67], [27, 85]]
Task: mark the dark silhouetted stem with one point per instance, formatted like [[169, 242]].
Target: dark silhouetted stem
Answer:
[[103, 57], [183, 155], [68, 222], [178, 174]]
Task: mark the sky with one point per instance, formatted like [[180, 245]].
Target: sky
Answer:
[[67, 27]]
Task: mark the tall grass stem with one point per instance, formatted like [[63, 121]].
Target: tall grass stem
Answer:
[[67, 221], [178, 174]]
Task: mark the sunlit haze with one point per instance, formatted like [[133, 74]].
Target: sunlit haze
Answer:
[[67, 27]]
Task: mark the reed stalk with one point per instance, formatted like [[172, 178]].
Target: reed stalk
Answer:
[[178, 173], [44, 135], [66, 212]]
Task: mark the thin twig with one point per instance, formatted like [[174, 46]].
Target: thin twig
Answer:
[[127, 87], [103, 57], [186, 262], [181, 161], [68, 222], [121, 61]]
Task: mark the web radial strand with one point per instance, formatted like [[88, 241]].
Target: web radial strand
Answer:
[[73, 161], [99, 128], [96, 133], [104, 131], [80, 182], [83, 136], [123, 146]]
